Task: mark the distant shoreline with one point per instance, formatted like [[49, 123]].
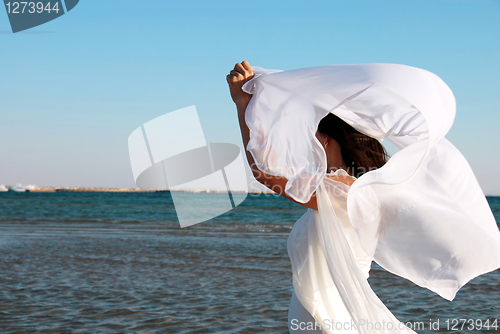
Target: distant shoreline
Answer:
[[122, 190], [37, 189]]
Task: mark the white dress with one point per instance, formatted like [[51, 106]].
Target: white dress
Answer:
[[421, 216], [309, 261], [314, 282]]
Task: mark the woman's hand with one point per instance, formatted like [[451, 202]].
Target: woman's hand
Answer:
[[236, 78]]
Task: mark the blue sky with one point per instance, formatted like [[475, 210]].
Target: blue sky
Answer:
[[73, 89]]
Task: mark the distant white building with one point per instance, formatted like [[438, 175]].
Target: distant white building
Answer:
[[18, 188]]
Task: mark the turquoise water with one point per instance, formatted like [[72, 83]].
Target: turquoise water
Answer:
[[119, 263]]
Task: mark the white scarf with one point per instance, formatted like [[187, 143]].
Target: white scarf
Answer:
[[422, 216]]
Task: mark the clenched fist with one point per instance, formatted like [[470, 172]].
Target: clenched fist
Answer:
[[236, 78]]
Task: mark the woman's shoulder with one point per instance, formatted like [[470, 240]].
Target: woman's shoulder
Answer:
[[341, 175]]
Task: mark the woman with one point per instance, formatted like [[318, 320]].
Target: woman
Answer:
[[421, 216]]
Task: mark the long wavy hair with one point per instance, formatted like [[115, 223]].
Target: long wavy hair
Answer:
[[360, 152]]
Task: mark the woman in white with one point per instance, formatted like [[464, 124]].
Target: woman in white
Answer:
[[312, 135]]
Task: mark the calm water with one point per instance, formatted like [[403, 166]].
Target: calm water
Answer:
[[119, 263]]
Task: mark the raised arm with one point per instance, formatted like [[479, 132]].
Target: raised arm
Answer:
[[236, 78]]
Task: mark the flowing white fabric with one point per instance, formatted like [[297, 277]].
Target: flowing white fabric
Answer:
[[422, 216], [330, 269]]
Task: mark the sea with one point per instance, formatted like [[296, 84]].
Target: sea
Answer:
[[74, 262]]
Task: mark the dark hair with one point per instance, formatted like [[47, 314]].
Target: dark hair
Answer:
[[360, 152]]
